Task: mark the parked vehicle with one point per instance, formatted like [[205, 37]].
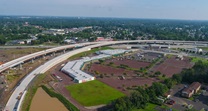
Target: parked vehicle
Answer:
[[170, 102]]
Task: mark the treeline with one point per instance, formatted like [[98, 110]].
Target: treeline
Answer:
[[48, 38], [122, 28], [143, 95], [140, 97], [198, 73], [2, 39]]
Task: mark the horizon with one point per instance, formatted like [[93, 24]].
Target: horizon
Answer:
[[142, 9], [83, 17]]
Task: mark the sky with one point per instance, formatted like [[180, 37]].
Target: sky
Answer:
[[155, 9]]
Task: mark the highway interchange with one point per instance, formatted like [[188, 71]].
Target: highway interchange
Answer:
[[14, 104]]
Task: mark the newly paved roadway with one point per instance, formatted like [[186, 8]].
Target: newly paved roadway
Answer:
[[20, 60], [34, 55], [11, 104]]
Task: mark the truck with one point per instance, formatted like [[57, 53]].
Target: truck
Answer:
[[19, 96]]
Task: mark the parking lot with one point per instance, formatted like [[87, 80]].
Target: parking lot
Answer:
[[181, 103]]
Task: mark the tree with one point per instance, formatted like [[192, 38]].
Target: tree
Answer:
[[137, 100], [169, 83], [177, 78], [159, 88], [124, 73], [101, 61], [123, 66], [163, 75], [112, 74], [144, 94], [101, 76], [123, 104], [152, 95], [97, 73], [157, 73], [111, 63], [2, 40], [123, 85], [199, 72]]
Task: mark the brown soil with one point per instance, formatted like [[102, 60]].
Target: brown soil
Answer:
[[130, 63], [173, 66], [10, 54], [112, 76], [43, 102], [102, 69], [131, 82]]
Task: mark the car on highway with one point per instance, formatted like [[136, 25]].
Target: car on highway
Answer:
[[19, 96]]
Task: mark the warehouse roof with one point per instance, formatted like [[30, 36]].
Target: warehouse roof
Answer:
[[113, 52], [73, 68]]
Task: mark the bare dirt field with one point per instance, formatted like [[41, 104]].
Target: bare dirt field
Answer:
[[130, 63], [43, 102], [122, 85], [151, 55], [112, 77], [173, 66], [108, 70], [10, 54]]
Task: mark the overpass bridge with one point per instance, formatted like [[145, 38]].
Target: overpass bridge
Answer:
[[23, 59], [14, 104]]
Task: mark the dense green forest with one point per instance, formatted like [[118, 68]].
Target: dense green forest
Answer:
[[198, 73], [13, 27]]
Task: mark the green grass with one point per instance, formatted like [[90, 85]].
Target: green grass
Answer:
[[149, 107], [93, 93], [168, 108], [83, 54], [202, 109], [169, 56], [11, 78], [161, 77], [204, 48], [196, 59], [191, 98]]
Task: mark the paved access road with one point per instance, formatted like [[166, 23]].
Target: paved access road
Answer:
[[12, 103], [20, 60], [31, 56]]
